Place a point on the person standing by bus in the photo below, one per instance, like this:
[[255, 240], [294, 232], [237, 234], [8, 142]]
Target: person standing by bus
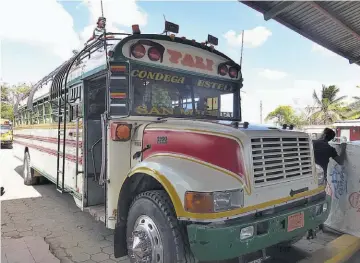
[[323, 151]]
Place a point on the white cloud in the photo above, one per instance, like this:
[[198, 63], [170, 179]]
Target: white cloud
[[54, 29], [252, 38], [319, 49], [25, 22], [272, 74], [117, 12]]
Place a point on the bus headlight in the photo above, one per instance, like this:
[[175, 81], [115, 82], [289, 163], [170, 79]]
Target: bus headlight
[[228, 200], [213, 202], [320, 175], [247, 232]]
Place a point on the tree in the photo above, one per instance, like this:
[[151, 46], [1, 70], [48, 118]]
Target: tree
[[284, 115], [9, 96], [354, 108], [329, 107]]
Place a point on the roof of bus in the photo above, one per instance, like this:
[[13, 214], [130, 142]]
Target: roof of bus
[[97, 63]]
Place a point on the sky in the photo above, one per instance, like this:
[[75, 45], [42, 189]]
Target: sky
[[280, 67]]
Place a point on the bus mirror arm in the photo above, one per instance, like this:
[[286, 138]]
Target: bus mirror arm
[[138, 154]]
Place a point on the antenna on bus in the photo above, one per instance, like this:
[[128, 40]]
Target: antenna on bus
[[165, 32], [102, 8], [242, 47]]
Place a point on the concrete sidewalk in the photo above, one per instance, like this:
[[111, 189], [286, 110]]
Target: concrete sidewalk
[[30, 249], [339, 250]]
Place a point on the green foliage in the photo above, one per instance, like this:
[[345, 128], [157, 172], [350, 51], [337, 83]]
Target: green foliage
[[284, 115], [9, 96], [329, 107]]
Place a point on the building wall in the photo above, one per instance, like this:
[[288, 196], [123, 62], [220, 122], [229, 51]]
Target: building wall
[[354, 132]]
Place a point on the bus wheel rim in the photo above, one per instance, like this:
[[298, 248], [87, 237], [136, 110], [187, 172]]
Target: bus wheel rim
[[146, 244]]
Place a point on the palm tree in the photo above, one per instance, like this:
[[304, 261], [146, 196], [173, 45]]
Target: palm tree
[[330, 107], [355, 107]]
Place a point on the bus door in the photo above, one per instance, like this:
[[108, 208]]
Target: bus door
[[94, 99]]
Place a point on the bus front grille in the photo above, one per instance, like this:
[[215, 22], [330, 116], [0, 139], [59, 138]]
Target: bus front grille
[[277, 160]]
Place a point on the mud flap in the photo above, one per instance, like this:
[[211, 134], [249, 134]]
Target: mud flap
[[120, 246]]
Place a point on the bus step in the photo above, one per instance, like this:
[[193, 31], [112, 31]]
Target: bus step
[[60, 190]]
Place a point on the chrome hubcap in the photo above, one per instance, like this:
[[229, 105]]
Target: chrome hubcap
[[145, 244]]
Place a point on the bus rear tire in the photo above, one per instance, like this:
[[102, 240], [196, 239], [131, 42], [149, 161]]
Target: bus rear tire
[[153, 230], [28, 172]]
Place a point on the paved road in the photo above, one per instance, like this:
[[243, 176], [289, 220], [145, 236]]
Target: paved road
[[73, 235], [355, 258]]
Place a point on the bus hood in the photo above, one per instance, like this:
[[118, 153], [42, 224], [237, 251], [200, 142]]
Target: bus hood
[[271, 163]]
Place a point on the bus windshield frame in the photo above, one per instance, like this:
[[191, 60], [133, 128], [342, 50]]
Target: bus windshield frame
[[173, 94]]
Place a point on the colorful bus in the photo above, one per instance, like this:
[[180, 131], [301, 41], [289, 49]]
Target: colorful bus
[[145, 132], [6, 133]]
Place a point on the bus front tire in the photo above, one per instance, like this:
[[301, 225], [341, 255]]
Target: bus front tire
[[28, 172], [153, 230]]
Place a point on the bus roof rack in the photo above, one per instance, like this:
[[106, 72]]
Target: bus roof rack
[[39, 84]]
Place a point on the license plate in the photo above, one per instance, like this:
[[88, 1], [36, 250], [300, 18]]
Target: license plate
[[295, 221]]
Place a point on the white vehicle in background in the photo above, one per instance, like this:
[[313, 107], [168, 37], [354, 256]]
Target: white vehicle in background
[[135, 132]]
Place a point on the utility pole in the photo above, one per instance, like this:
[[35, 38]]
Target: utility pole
[[261, 112]]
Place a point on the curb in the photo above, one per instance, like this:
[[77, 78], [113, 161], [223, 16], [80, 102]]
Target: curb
[[336, 251]]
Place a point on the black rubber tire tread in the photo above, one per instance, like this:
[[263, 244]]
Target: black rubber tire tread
[[161, 199], [29, 179]]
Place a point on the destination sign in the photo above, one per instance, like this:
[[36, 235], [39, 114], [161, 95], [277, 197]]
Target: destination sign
[[176, 55], [149, 73]]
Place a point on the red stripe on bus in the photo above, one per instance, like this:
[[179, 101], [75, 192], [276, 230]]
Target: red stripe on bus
[[69, 157], [213, 149], [47, 139]]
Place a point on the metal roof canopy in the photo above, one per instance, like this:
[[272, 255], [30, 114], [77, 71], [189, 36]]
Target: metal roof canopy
[[334, 25]]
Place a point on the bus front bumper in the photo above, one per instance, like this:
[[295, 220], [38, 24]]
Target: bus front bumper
[[6, 142], [220, 242]]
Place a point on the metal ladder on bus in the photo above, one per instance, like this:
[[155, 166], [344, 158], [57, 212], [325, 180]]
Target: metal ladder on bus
[[61, 148], [61, 80]]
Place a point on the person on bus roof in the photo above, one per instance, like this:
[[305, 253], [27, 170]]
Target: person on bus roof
[[323, 151], [99, 29]]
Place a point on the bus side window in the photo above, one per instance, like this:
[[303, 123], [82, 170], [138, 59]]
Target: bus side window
[[47, 112]]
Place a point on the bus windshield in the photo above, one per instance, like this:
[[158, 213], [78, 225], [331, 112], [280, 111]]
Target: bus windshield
[[4, 128], [159, 92]]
